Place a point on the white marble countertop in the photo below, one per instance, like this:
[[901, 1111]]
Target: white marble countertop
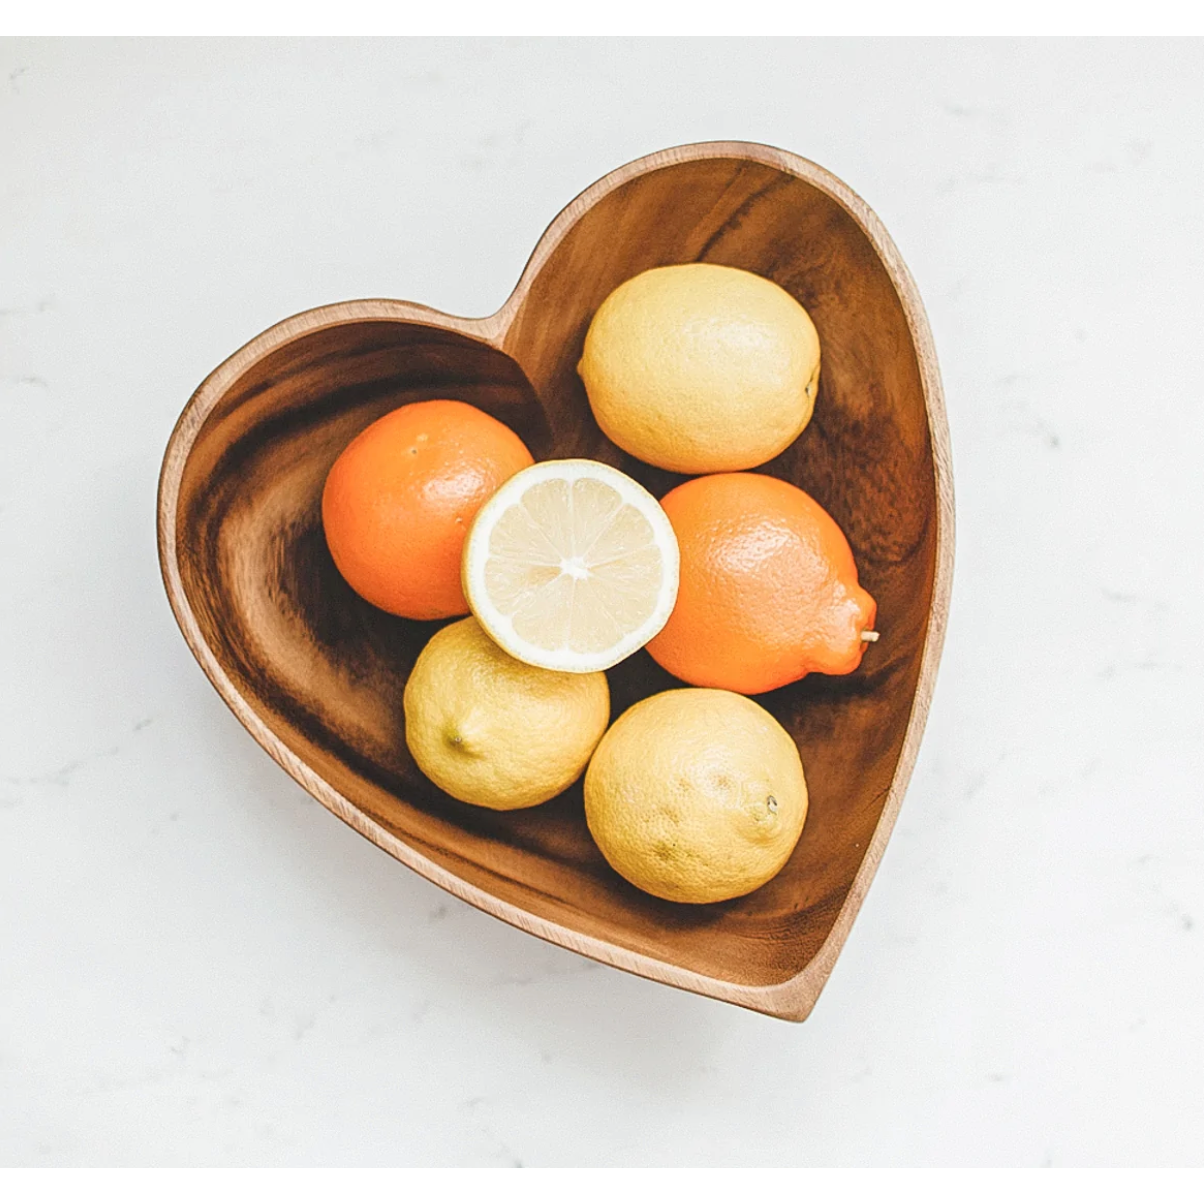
[[198, 964]]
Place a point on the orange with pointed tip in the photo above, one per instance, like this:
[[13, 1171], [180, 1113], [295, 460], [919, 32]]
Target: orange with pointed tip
[[768, 591], [400, 498]]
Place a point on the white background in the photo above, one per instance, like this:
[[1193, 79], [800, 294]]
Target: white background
[[198, 964]]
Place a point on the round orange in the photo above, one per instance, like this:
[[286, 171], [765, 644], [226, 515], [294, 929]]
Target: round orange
[[400, 498], [768, 589]]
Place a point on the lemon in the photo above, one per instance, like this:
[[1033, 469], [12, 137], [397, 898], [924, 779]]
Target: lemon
[[696, 795], [492, 731], [701, 368], [571, 566]]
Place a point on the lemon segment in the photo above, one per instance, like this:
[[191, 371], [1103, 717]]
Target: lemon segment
[[571, 566]]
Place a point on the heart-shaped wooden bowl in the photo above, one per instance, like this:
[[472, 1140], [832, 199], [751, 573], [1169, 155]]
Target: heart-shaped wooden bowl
[[316, 674]]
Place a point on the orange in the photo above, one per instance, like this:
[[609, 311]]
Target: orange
[[768, 588], [400, 498]]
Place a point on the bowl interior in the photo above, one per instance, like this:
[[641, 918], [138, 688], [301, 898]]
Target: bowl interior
[[325, 671]]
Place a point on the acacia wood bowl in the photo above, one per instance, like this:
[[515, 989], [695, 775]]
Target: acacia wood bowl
[[316, 674]]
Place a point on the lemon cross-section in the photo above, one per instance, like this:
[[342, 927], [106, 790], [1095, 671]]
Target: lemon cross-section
[[571, 565]]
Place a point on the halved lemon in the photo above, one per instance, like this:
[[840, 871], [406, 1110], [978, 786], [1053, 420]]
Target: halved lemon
[[571, 565]]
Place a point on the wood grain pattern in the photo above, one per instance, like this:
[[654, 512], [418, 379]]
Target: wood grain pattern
[[317, 675]]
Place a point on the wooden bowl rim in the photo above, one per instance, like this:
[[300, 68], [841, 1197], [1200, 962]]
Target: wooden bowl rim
[[794, 998]]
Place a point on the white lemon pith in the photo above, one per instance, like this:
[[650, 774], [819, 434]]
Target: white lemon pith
[[701, 368], [493, 731], [696, 795], [571, 566]]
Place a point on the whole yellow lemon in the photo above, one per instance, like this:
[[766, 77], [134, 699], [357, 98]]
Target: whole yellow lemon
[[696, 795], [493, 731], [700, 368]]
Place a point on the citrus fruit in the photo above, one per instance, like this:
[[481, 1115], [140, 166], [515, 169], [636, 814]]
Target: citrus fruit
[[493, 731], [701, 368], [399, 500], [696, 795], [768, 590], [571, 565]]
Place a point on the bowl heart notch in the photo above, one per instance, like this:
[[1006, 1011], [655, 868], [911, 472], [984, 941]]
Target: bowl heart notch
[[316, 674]]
